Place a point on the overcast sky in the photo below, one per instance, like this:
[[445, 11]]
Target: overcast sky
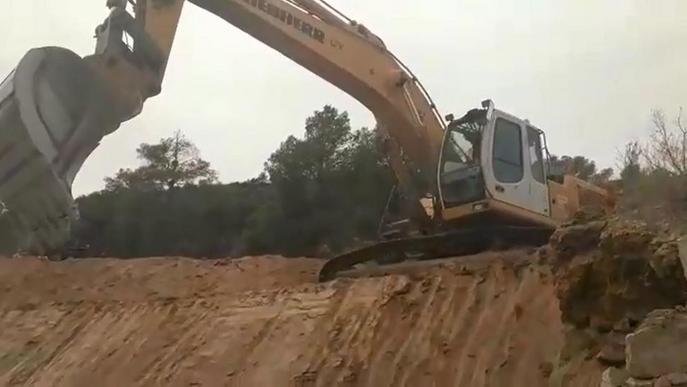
[[588, 72]]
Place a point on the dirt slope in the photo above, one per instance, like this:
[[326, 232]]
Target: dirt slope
[[265, 322]]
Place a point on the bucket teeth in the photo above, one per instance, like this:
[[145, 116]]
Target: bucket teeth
[[53, 113]]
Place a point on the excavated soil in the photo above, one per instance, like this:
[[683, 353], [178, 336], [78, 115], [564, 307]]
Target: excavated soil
[[491, 320]]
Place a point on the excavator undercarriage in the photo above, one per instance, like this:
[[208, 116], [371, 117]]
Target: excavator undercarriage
[[467, 241]]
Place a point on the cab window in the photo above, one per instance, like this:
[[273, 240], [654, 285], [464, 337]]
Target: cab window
[[453, 154], [507, 155], [536, 154]]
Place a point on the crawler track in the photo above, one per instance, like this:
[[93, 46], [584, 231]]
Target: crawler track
[[450, 244]]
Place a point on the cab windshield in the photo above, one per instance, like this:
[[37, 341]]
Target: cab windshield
[[463, 141], [456, 152]]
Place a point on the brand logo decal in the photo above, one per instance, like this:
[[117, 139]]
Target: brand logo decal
[[288, 18]]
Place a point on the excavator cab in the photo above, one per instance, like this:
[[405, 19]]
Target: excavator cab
[[505, 177], [493, 165]]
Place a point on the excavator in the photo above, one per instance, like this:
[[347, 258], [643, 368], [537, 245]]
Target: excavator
[[463, 184]]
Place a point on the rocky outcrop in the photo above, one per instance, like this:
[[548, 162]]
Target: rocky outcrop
[[616, 282], [656, 353], [576, 238], [676, 379], [611, 274], [659, 346]]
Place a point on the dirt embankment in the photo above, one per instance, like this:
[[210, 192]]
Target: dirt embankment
[[265, 322], [557, 316]]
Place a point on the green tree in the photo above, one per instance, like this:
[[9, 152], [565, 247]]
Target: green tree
[[321, 193], [331, 187], [197, 221], [174, 161], [327, 136]]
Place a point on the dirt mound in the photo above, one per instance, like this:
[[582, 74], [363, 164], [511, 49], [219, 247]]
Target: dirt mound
[[265, 322]]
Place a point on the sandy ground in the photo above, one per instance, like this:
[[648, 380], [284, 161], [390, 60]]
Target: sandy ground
[[264, 321]]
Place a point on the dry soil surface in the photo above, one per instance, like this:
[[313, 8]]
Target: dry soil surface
[[493, 320]]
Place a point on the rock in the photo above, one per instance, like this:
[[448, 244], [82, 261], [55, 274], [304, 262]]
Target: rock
[[571, 240], [623, 326], [668, 266], [676, 379], [578, 341], [671, 380], [666, 258], [629, 239], [575, 293], [601, 324], [613, 350], [659, 346], [614, 377], [632, 382], [663, 381], [633, 274]]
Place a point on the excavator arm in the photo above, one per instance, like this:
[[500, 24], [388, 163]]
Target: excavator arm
[[134, 44]]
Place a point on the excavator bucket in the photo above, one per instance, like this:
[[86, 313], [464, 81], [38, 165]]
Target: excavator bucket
[[53, 113]]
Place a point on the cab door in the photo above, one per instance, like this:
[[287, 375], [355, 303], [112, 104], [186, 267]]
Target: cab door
[[510, 164], [539, 190]]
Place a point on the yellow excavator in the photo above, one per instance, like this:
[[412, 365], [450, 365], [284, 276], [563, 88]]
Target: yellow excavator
[[462, 183]]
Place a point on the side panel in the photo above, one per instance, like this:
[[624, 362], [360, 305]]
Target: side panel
[[563, 201], [507, 165], [535, 171]]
